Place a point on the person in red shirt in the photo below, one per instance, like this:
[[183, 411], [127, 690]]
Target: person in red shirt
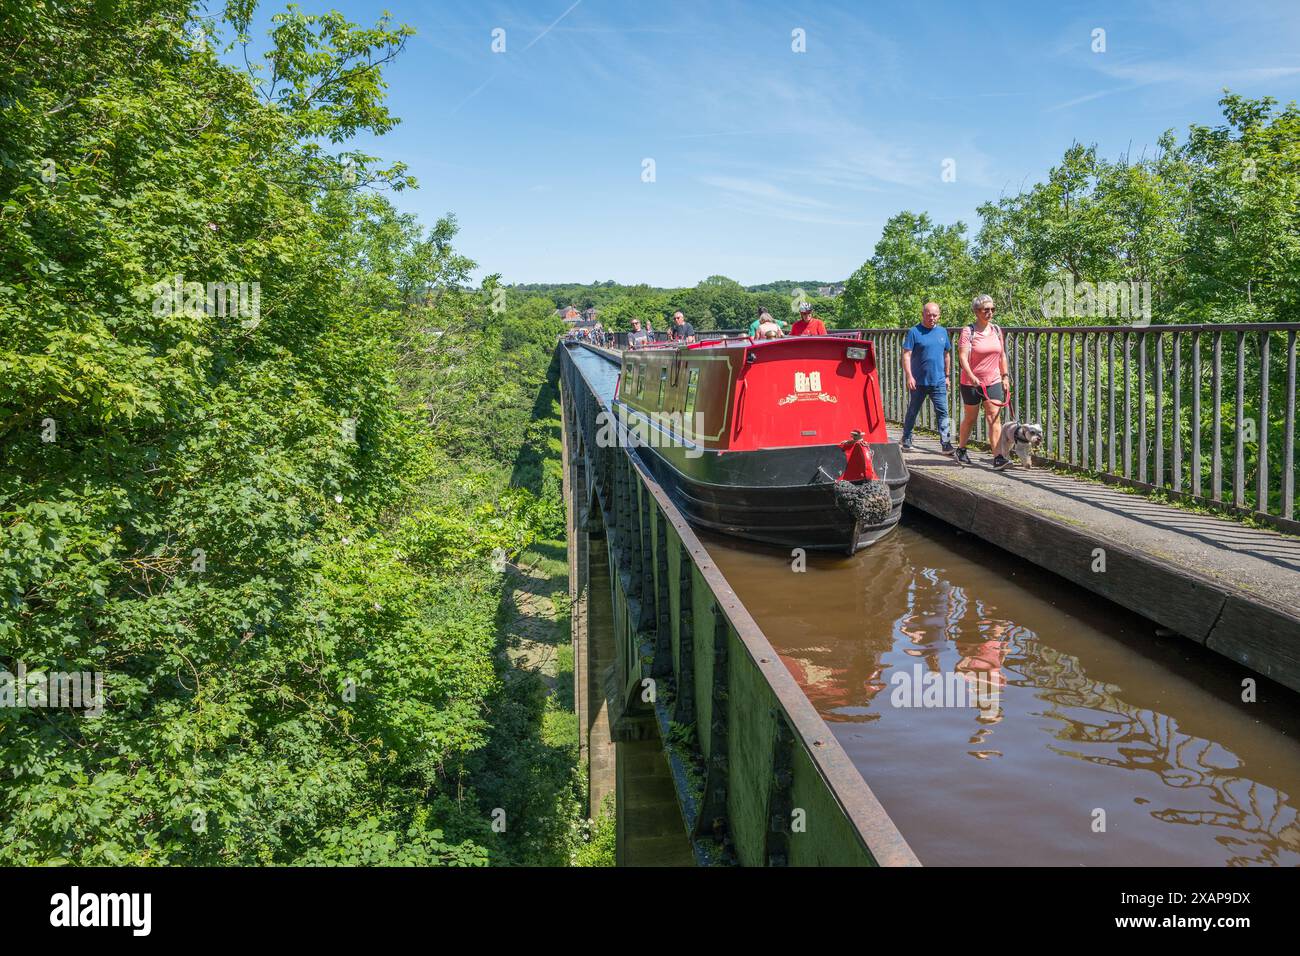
[[808, 323]]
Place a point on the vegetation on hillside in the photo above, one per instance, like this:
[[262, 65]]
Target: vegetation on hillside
[[273, 525]]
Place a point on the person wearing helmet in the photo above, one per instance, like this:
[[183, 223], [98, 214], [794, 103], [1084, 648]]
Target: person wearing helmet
[[808, 323]]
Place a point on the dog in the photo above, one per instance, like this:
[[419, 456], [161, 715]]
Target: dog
[[1021, 439]]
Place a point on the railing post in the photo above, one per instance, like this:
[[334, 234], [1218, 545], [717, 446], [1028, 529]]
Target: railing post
[[1096, 404], [1288, 443], [1061, 402], [1038, 376], [1085, 401], [1216, 451], [1177, 414], [1239, 463], [1261, 484], [1196, 414], [1110, 402], [1158, 479], [1128, 406], [1142, 407]]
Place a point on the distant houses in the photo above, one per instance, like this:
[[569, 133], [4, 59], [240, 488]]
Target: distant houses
[[572, 315], [830, 291]]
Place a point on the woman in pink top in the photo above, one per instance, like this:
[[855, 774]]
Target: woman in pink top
[[983, 377]]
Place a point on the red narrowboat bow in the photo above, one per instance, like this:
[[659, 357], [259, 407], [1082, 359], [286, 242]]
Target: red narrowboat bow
[[781, 441]]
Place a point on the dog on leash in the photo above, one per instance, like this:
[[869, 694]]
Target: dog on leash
[[1022, 439]]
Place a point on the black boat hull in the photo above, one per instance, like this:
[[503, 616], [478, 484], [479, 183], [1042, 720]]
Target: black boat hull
[[781, 496]]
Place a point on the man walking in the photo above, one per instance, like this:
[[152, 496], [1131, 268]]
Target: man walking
[[927, 366]]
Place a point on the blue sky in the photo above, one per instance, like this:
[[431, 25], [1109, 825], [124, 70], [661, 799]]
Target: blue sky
[[772, 164]]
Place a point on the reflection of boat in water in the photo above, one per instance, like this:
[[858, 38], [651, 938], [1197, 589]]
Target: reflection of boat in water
[[837, 668]]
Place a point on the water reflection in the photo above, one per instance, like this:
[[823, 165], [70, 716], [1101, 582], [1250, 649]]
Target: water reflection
[[1075, 718]]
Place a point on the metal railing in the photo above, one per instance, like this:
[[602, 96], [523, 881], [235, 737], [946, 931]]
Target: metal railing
[[1206, 413]]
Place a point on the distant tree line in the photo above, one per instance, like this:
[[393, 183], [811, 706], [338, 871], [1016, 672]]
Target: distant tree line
[[715, 303]]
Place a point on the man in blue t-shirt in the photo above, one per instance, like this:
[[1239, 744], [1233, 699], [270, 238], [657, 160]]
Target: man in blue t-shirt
[[927, 366]]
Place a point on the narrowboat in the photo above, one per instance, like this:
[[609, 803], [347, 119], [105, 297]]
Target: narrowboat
[[780, 441]]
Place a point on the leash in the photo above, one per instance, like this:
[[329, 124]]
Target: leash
[[985, 390]]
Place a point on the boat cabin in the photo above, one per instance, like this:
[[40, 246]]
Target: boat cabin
[[744, 395]]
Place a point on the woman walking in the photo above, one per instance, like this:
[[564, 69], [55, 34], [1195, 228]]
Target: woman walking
[[984, 380]]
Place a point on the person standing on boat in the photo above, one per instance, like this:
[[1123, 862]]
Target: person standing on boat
[[765, 316], [766, 328], [681, 330], [637, 339], [927, 365], [808, 323], [984, 378]]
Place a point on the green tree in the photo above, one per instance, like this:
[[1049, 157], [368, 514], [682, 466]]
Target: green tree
[[1243, 243], [251, 522]]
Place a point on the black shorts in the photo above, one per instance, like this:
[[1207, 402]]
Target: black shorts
[[974, 395]]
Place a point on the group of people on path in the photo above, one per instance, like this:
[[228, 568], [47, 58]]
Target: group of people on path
[[594, 334], [984, 383]]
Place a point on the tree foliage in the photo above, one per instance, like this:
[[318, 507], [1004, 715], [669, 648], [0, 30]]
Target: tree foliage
[[270, 531], [1212, 224]]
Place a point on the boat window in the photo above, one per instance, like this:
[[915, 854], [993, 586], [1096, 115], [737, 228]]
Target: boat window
[[663, 381], [692, 383], [640, 381]]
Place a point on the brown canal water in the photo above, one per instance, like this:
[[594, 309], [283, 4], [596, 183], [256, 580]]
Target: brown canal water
[[1045, 708]]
